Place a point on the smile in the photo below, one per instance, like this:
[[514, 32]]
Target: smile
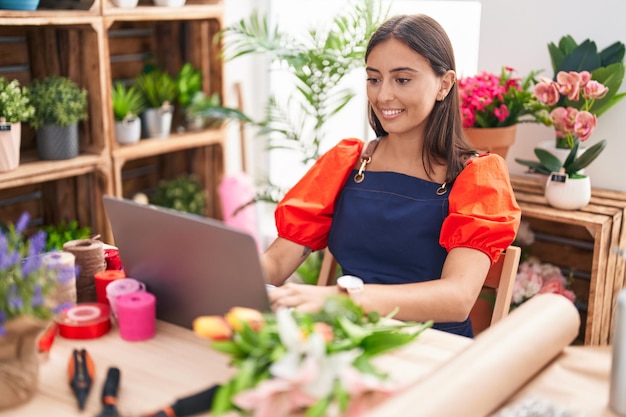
[[390, 114]]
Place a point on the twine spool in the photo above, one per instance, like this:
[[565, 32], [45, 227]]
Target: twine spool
[[89, 254], [64, 293]]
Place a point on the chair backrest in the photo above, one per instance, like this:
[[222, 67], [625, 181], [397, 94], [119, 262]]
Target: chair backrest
[[494, 301]]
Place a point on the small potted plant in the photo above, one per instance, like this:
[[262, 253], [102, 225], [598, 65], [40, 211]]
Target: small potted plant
[[188, 84], [566, 187], [15, 108], [59, 105], [128, 103], [184, 193], [208, 111], [159, 91]]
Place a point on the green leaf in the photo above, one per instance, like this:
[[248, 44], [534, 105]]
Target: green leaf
[[319, 408], [229, 347], [549, 161], [222, 400], [587, 157]]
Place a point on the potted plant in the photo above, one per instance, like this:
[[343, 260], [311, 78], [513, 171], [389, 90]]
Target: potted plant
[[159, 91], [25, 309], [128, 103], [184, 194], [59, 105], [188, 84], [566, 187], [492, 106], [15, 108], [605, 67], [208, 111]]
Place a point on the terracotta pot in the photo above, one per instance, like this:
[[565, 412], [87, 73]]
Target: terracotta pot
[[492, 139], [19, 364], [10, 146]]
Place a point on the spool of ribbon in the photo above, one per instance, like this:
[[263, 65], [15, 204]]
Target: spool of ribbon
[[84, 321], [89, 255], [136, 316], [121, 287], [104, 278], [112, 257], [63, 295]]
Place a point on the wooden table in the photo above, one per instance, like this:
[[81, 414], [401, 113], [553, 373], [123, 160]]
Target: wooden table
[[176, 363]]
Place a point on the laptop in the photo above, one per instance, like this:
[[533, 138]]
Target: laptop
[[194, 265]]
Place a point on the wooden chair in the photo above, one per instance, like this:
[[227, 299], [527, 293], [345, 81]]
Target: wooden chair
[[494, 301]]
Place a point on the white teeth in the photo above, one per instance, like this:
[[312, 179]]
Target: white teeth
[[391, 112]]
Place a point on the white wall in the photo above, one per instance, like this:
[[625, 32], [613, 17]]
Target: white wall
[[513, 33]]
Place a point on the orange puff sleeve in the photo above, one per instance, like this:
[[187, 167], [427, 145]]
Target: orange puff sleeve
[[483, 212], [304, 215]]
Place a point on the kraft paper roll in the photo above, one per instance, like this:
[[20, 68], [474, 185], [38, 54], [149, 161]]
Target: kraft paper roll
[[89, 255], [104, 278], [494, 366], [63, 294], [136, 316]]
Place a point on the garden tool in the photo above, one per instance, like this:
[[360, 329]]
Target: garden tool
[[194, 404], [81, 372], [109, 393]]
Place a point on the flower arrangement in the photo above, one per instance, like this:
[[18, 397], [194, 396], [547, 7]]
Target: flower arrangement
[[14, 102], [490, 100], [293, 361], [534, 277], [572, 125], [25, 280]]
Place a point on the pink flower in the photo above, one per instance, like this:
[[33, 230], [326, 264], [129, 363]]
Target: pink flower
[[569, 84], [547, 91], [584, 124], [595, 90], [556, 286], [564, 120]]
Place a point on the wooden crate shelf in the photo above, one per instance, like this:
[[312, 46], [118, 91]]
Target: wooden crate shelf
[[583, 241]]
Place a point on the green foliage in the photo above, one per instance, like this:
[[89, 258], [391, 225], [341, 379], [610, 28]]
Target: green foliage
[[128, 102], [211, 110], [184, 194], [57, 101], [14, 102], [158, 88], [64, 232], [549, 163], [188, 83], [318, 63], [605, 66]]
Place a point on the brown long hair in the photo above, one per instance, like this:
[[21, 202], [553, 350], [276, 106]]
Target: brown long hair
[[444, 140]]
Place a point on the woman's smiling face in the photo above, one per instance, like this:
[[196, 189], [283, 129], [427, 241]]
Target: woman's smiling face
[[401, 87]]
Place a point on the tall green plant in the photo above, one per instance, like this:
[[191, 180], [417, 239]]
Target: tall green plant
[[318, 62], [157, 87]]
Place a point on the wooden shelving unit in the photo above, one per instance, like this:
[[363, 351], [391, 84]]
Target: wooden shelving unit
[[95, 43], [582, 242]]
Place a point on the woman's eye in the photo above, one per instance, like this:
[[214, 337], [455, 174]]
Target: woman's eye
[[402, 81], [372, 80]]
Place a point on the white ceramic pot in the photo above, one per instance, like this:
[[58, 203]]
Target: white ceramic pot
[[170, 3], [125, 4], [157, 123], [128, 131], [573, 194]]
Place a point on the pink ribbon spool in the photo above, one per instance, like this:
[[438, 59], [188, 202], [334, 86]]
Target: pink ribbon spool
[[136, 316], [120, 287]]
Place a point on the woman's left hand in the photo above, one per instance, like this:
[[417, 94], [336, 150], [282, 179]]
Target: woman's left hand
[[306, 298]]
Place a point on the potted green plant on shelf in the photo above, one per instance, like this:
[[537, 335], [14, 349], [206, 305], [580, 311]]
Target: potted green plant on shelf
[[59, 105], [15, 108], [184, 193], [188, 84], [566, 187], [159, 91], [128, 103], [209, 112]]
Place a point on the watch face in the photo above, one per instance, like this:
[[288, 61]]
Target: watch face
[[349, 282]]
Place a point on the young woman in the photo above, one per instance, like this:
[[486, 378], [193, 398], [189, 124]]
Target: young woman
[[415, 214]]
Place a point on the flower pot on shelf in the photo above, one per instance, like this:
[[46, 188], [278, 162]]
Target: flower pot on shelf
[[128, 131], [125, 4], [57, 142], [571, 194], [10, 139], [19, 4], [19, 364], [170, 3], [157, 123], [496, 140]]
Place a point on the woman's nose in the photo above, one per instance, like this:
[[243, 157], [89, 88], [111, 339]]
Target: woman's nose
[[385, 92]]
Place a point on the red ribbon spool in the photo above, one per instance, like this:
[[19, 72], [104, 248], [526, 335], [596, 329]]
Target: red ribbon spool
[[84, 321]]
